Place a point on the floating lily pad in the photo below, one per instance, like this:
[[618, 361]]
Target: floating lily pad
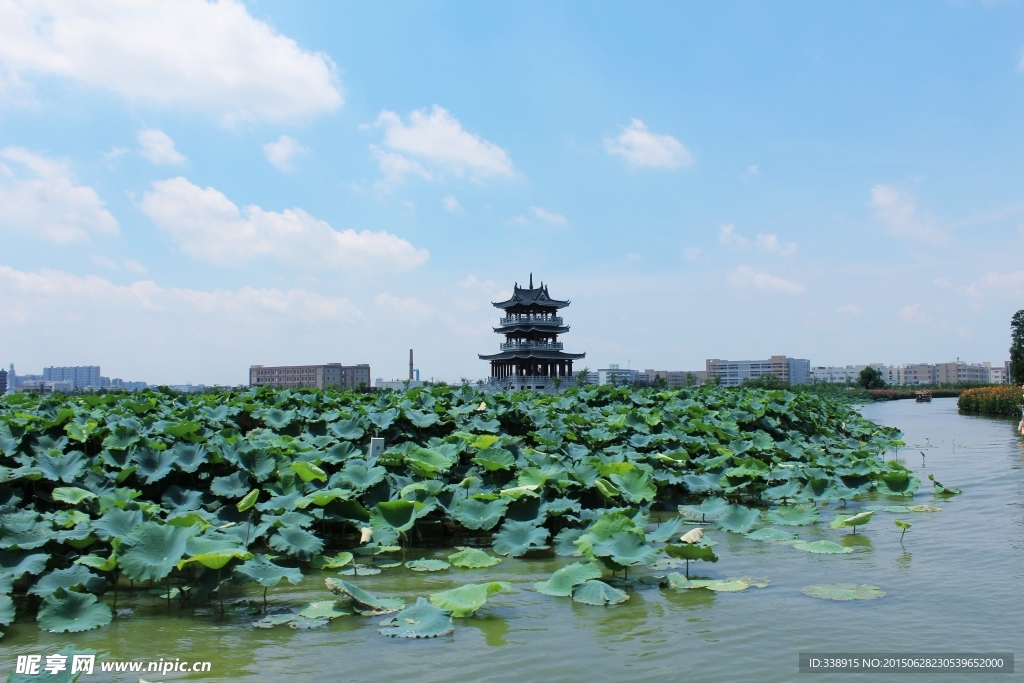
[[599, 593], [923, 508], [465, 600], [360, 570], [366, 603], [793, 515], [272, 620], [769, 534], [471, 558], [843, 591], [301, 623], [730, 585], [324, 609], [822, 547], [72, 612], [566, 578], [887, 508], [427, 565], [421, 620]]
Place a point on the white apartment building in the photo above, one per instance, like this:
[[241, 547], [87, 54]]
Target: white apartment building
[[733, 372], [841, 374]]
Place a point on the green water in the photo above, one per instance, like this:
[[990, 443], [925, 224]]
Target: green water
[[956, 584]]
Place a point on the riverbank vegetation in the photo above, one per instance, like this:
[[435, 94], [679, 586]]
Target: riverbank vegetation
[[999, 400], [187, 496]]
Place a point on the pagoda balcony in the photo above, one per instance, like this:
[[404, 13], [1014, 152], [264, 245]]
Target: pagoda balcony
[[531, 320], [515, 346]]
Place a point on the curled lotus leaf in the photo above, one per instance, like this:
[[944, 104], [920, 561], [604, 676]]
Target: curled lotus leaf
[[17, 563], [939, 490], [76, 575], [427, 565], [347, 429], [822, 547], [635, 486], [152, 550], [467, 599], [594, 592], [421, 620], [307, 471], [626, 549], [324, 609], [103, 564], [72, 612], [427, 462], [691, 551], [568, 577], [793, 515], [72, 495], [477, 514], [859, 519], [383, 419], [365, 603], [265, 572], [322, 498], [709, 508], [901, 524], [336, 562], [843, 591], [738, 519], [769, 534], [565, 542], [516, 538], [665, 531], [248, 500], [277, 418], [293, 540], [399, 515], [472, 558]]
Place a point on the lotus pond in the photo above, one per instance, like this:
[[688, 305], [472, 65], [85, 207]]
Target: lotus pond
[[199, 509]]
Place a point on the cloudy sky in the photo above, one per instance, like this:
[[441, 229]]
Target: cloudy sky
[[189, 188]]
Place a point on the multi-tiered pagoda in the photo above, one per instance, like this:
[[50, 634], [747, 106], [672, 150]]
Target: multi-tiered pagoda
[[531, 356]]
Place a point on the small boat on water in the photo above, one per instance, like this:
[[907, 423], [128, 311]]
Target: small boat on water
[[923, 396]]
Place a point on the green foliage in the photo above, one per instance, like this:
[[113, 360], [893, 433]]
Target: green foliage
[[1017, 348], [598, 593], [468, 598], [843, 591], [563, 581], [422, 620], [72, 612], [870, 378], [999, 400]]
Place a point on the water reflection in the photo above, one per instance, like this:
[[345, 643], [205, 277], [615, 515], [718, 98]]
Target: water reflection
[[856, 541], [493, 628], [691, 599], [903, 561]]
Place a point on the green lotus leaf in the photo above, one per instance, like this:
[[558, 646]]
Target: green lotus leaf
[[122, 438], [364, 602], [322, 498], [278, 419], [120, 497], [598, 593], [483, 442], [59, 467], [822, 547], [793, 515], [248, 500], [665, 530], [266, 573], [216, 559], [843, 591], [901, 524], [769, 534], [189, 457], [6, 610], [635, 486], [80, 432], [399, 515], [337, 562], [467, 599], [568, 577], [857, 520], [103, 564], [258, 463], [747, 467], [887, 508], [477, 514], [76, 575], [152, 550], [360, 570], [235, 485], [516, 538], [16, 563], [939, 490], [179, 500], [517, 492], [6, 583], [272, 620], [482, 425], [702, 483], [426, 462], [72, 495], [923, 508], [471, 558], [625, 549], [420, 419], [532, 476], [421, 620], [308, 472], [183, 429], [708, 509], [296, 541], [606, 488], [790, 489], [738, 519], [324, 609], [898, 482], [691, 551], [72, 612], [383, 419], [680, 582], [427, 565], [301, 623], [565, 542], [26, 535], [347, 429], [152, 465], [359, 475]]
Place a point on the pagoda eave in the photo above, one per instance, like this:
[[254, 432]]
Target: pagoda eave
[[530, 327], [538, 354]]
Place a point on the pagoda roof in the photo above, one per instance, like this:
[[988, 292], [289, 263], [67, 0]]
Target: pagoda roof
[[531, 327], [542, 354], [538, 297]]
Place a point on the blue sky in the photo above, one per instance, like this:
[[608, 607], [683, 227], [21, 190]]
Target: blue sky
[[189, 188]]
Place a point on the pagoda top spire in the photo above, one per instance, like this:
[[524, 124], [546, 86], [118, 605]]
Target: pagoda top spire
[[530, 297]]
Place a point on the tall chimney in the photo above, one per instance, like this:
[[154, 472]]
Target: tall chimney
[[410, 364]]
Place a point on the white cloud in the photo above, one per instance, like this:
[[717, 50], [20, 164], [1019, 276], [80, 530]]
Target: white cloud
[[692, 253], [281, 152], [450, 203], [748, 277], [438, 138], [914, 314], [770, 243], [395, 167], [897, 210], [850, 309], [208, 226], [1007, 284], [133, 265], [407, 306], [644, 149], [521, 219], [158, 147], [549, 216], [210, 57], [727, 235], [38, 196], [104, 262]]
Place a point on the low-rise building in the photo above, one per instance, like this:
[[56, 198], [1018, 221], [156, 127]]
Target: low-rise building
[[329, 375], [958, 371], [677, 379], [80, 376], [731, 373], [998, 375], [617, 376]]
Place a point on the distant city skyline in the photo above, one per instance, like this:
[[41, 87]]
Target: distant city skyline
[[323, 180]]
